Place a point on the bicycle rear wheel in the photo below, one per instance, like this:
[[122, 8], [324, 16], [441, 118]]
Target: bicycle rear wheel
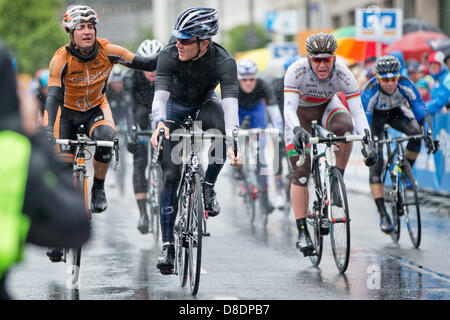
[[390, 199], [340, 220], [195, 234], [313, 223], [409, 204]]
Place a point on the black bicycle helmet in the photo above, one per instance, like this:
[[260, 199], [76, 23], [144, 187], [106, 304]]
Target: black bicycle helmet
[[321, 45], [196, 22], [387, 66]]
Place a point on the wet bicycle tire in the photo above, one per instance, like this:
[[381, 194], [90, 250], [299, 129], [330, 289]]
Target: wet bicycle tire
[[409, 203], [195, 231], [390, 199], [153, 199], [340, 222], [181, 252], [313, 222]]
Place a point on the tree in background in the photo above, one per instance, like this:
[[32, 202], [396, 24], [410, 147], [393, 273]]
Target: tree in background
[[246, 37], [32, 30]]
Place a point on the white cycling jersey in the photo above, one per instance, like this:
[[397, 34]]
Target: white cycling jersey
[[303, 89]]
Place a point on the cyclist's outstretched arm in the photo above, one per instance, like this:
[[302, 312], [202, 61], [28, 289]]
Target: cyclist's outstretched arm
[[117, 54], [57, 212]]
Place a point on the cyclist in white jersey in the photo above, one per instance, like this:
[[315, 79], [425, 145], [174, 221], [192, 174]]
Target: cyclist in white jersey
[[310, 87]]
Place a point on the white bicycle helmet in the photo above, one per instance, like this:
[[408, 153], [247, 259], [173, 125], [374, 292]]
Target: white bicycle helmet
[[117, 73], [247, 69], [77, 14], [149, 47]]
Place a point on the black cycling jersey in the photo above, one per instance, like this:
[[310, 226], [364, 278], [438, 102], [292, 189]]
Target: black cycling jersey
[[192, 82], [262, 90], [142, 90], [139, 94], [116, 100], [278, 90]]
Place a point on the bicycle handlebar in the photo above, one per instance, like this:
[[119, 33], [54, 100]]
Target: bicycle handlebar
[[401, 139], [330, 139], [99, 143]]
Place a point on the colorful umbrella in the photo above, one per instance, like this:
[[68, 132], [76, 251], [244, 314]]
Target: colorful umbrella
[[413, 25], [351, 48], [260, 56], [415, 44]]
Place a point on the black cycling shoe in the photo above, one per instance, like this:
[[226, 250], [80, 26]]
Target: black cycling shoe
[[304, 243], [386, 224], [98, 200], [143, 224], [55, 254], [211, 204], [166, 259]]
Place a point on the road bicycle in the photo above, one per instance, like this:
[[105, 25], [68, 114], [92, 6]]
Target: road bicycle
[[154, 182], [328, 212], [80, 179], [400, 186], [190, 226], [256, 199]]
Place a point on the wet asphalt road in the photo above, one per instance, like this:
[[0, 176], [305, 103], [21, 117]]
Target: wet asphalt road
[[244, 262]]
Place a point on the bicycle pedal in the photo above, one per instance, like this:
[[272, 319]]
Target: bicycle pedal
[[206, 234]]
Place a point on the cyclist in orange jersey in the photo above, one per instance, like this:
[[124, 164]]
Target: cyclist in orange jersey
[[77, 83]]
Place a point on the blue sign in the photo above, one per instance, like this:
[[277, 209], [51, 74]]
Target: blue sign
[[284, 50], [379, 24]]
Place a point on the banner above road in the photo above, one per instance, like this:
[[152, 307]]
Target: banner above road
[[378, 24]]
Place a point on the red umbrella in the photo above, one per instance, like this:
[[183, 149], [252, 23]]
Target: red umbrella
[[413, 45]]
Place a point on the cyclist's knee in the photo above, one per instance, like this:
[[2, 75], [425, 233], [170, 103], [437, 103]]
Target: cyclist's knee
[[342, 124], [103, 154], [375, 172], [300, 175]]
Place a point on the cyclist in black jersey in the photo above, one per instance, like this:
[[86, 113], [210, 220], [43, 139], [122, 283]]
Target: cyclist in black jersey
[[115, 96], [38, 203], [187, 73], [256, 101], [139, 88]]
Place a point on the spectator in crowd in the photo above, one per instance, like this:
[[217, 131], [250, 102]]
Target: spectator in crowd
[[38, 203], [415, 70], [423, 86], [440, 91]]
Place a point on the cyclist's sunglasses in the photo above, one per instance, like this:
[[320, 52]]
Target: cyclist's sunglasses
[[319, 60], [186, 42], [386, 80]]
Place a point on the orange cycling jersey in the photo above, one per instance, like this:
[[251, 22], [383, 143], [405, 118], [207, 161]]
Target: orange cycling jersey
[[84, 84]]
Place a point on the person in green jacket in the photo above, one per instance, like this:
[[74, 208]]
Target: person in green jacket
[[38, 203]]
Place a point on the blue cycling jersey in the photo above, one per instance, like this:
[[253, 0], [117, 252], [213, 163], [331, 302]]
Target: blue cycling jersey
[[373, 98]]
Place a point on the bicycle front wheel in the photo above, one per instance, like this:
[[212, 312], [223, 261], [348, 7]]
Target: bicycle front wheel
[[340, 220], [391, 197], [313, 223], [195, 234], [409, 204], [180, 238], [154, 193]]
